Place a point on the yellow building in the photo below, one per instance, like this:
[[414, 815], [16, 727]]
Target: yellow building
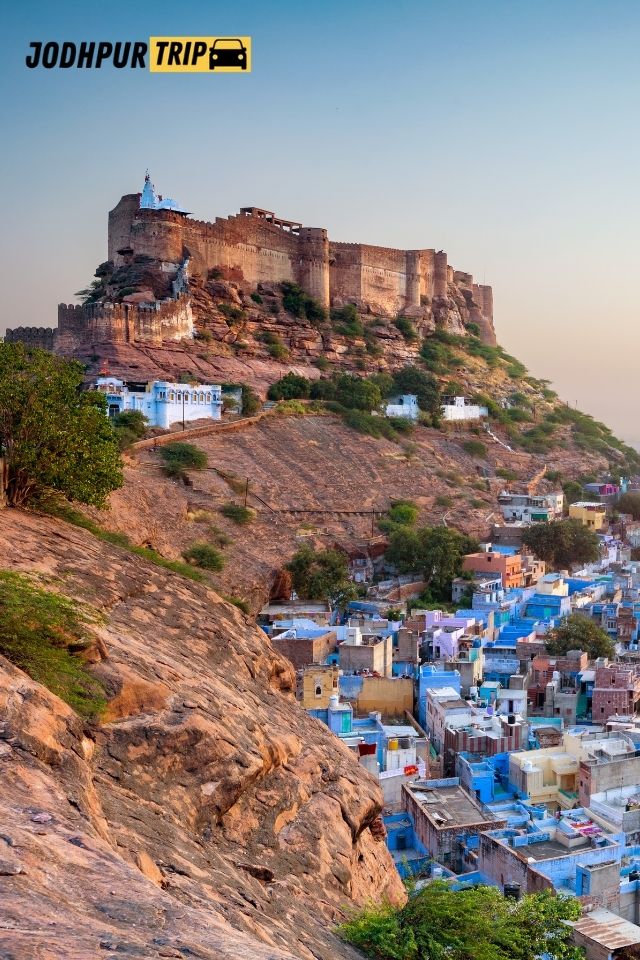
[[592, 515], [319, 682]]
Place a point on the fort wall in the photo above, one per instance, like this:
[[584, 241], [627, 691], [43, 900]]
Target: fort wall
[[263, 249], [123, 323], [259, 248]]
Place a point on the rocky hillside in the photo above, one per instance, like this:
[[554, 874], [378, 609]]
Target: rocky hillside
[[205, 815]]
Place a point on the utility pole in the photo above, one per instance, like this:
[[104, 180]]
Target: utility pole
[[183, 410]]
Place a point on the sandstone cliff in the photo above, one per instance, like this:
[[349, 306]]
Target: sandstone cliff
[[206, 816]]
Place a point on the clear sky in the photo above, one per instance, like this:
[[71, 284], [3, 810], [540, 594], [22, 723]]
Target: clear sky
[[503, 131]]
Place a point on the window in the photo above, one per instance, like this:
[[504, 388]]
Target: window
[[318, 690], [172, 396], [179, 396], [202, 398], [208, 398]]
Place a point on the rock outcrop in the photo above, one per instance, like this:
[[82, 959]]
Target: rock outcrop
[[206, 815]]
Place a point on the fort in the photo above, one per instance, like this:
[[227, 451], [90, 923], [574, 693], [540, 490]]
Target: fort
[[255, 246]]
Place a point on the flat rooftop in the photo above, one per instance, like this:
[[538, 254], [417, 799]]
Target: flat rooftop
[[449, 807]]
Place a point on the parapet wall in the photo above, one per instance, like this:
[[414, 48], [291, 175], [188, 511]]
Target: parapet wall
[[123, 323], [383, 279], [44, 338]]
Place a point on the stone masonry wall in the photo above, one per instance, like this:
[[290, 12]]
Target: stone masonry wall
[[382, 279]]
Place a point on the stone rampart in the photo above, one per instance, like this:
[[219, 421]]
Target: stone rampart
[[262, 249]]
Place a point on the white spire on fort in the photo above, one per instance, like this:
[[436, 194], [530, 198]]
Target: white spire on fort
[[150, 200]]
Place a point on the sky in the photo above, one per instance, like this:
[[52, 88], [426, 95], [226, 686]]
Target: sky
[[502, 131]]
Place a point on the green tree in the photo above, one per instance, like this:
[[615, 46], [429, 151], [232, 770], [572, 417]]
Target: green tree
[[250, 401], [562, 543], [55, 437], [476, 923], [321, 575], [129, 426], [579, 632], [290, 387], [435, 552], [630, 503], [572, 491], [424, 385], [179, 457]]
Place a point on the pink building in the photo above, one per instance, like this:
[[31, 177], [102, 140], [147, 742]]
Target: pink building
[[616, 692]]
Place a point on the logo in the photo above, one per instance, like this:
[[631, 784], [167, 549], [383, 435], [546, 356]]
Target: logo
[[164, 55], [200, 54]]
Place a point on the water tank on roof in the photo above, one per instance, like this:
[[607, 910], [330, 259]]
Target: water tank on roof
[[334, 701], [404, 743], [512, 890], [436, 872], [393, 744], [511, 718], [556, 675]]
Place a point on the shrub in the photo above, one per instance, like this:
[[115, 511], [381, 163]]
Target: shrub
[[256, 297], [179, 457], [42, 633], [129, 426], [506, 474], [238, 513], [290, 387], [250, 401], [239, 603], [297, 302], [277, 351], [205, 335], [215, 273], [205, 556], [345, 321], [406, 328], [321, 363], [233, 313], [403, 513], [475, 448]]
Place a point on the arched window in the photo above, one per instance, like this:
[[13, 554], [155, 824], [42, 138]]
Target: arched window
[[318, 690], [201, 398], [179, 396], [208, 398], [172, 396]]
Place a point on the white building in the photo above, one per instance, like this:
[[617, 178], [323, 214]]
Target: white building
[[531, 509], [459, 408], [163, 403], [403, 406]]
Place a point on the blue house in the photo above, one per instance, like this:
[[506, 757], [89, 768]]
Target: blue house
[[163, 403]]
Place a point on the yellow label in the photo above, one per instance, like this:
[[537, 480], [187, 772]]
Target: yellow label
[[200, 54]]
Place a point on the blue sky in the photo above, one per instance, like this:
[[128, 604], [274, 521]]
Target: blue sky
[[503, 132]]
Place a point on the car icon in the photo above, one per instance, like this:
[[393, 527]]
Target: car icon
[[227, 52]]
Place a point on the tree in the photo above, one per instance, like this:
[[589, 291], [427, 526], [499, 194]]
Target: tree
[[435, 552], [562, 543], [321, 575], [290, 387], [476, 923], [55, 437], [349, 390], [129, 426], [579, 632], [630, 503], [423, 385], [250, 401]]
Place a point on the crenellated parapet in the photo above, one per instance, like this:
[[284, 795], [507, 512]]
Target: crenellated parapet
[[258, 247], [123, 323], [42, 338]]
